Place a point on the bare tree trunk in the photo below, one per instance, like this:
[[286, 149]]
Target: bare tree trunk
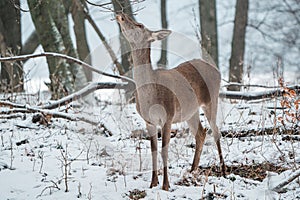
[[60, 17], [30, 44], [81, 39], [164, 43], [125, 7], [51, 40], [236, 61], [209, 33], [11, 76]]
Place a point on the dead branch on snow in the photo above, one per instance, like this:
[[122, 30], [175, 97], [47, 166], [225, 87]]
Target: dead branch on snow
[[248, 96], [286, 181], [83, 92]]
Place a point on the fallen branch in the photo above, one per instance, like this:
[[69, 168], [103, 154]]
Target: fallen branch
[[23, 108], [12, 116], [248, 85], [14, 110], [141, 133], [83, 92], [65, 100], [286, 181], [11, 104], [256, 95], [72, 117], [31, 109], [261, 131]]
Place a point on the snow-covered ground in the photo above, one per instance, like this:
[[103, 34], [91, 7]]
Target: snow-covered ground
[[33, 159]]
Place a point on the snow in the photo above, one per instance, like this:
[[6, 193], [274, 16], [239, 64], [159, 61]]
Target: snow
[[110, 167], [101, 167]]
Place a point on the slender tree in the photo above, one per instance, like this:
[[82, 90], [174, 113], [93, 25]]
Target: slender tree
[[164, 43], [209, 33], [30, 44], [60, 17], [236, 62], [80, 33], [11, 77]]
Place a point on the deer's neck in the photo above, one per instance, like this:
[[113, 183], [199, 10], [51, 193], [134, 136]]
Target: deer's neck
[[143, 70]]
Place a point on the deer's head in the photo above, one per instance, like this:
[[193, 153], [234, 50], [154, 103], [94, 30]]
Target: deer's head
[[137, 34]]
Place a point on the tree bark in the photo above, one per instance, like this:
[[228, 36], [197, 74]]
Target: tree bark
[[51, 40], [236, 62], [81, 39], [11, 76], [164, 43], [209, 33], [60, 17], [30, 44]]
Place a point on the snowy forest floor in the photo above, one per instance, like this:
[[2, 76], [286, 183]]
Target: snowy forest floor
[[70, 160]]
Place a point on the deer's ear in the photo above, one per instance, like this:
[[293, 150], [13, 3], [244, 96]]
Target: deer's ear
[[159, 35]]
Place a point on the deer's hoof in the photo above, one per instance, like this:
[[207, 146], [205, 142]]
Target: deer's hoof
[[194, 168], [224, 171], [166, 186], [153, 184]]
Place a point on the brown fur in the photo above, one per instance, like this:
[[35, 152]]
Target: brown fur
[[168, 96]]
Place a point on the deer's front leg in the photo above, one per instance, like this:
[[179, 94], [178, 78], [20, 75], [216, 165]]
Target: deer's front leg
[[153, 139], [165, 145]]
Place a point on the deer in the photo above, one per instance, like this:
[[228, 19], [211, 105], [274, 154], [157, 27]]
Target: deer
[[167, 96]]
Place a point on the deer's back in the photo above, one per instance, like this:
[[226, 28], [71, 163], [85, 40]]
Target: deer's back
[[178, 92], [203, 78]]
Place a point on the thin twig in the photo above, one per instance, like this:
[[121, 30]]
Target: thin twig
[[98, 5], [55, 186]]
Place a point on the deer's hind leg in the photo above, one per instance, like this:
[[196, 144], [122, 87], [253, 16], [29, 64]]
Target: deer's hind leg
[[210, 112], [153, 140], [166, 131], [199, 133]]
